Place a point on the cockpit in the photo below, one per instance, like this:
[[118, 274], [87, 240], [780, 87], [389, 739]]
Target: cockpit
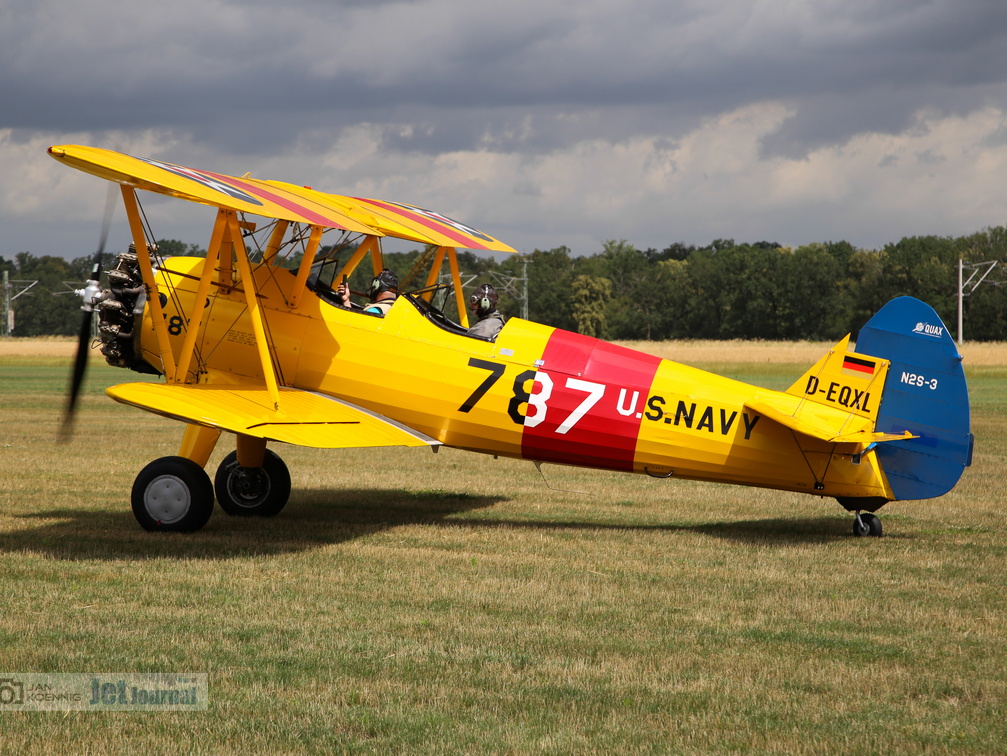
[[431, 301]]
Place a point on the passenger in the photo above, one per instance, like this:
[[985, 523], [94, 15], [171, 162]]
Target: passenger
[[483, 304], [384, 290]]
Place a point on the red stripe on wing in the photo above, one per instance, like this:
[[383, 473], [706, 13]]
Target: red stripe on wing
[[311, 216], [466, 239]]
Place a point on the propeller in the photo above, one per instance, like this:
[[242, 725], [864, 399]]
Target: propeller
[[91, 295]]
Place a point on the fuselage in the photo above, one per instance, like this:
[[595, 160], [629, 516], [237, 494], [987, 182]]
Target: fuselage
[[536, 392]]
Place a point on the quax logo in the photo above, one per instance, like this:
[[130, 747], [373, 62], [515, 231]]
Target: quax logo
[[929, 330]]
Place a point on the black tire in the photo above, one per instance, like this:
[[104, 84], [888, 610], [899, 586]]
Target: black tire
[[867, 525], [172, 494], [252, 491], [873, 524]]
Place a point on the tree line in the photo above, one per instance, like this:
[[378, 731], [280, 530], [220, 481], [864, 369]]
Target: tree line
[[724, 290]]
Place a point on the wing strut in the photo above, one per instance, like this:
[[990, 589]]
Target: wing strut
[[275, 242], [369, 244], [254, 311], [147, 272], [306, 262], [456, 280], [195, 320], [435, 272]]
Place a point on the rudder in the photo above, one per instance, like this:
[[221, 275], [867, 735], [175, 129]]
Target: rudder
[[925, 393]]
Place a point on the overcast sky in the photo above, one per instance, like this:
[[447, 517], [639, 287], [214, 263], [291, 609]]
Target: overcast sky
[[542, 122]]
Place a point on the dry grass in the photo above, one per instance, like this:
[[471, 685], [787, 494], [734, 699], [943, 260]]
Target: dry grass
[[794, 352], [691, 351], [407, 602], [55, 346]]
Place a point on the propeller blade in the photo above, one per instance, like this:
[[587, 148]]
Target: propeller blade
[[79, 362], [89, 294]]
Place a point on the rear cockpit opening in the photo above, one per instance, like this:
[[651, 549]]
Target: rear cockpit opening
[[431, 301]]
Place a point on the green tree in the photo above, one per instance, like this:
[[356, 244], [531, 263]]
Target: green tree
[[924, 267], [176, 248], [590, 297], [550, 282], [734, 291], [633, 310], [810, 295]]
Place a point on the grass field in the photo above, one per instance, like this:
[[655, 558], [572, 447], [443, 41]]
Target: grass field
[[407, 602]]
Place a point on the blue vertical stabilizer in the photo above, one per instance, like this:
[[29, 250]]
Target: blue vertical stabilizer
[[925, 393]]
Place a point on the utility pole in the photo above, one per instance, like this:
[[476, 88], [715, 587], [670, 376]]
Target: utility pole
[[524, 289], [967, 287], [959, 301], [8, 300]]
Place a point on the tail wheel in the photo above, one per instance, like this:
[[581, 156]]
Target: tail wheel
[[866, 525], [172, 494], [252, 491]]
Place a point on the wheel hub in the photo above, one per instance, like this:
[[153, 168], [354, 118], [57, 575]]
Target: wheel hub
[[860, 527], [248, 486], [167, 499]]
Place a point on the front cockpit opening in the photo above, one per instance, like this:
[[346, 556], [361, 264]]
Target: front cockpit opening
[[320, 280]]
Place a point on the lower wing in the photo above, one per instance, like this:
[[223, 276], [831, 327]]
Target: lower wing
[[306, 418]]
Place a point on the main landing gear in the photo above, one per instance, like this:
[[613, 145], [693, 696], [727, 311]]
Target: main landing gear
[[252, 491], [174, 494]]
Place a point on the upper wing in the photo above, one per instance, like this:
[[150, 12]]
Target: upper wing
[[402, 221], [277, 199], [307, 419], [244, 195], [445, 231]]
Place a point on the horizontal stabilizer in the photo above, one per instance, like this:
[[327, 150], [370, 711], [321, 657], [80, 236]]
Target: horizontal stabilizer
[[305, 418], [821, 422], [866, 437]]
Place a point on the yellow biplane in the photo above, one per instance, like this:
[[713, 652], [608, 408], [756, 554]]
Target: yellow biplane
[[267, 353]]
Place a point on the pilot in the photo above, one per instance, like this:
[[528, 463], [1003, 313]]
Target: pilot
[[384, 290], [483, 304]]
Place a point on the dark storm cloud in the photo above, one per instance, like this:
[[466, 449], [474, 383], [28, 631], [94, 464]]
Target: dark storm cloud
[[373, 94], [465, 76]]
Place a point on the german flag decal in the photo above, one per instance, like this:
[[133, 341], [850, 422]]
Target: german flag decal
[[858, 366]]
